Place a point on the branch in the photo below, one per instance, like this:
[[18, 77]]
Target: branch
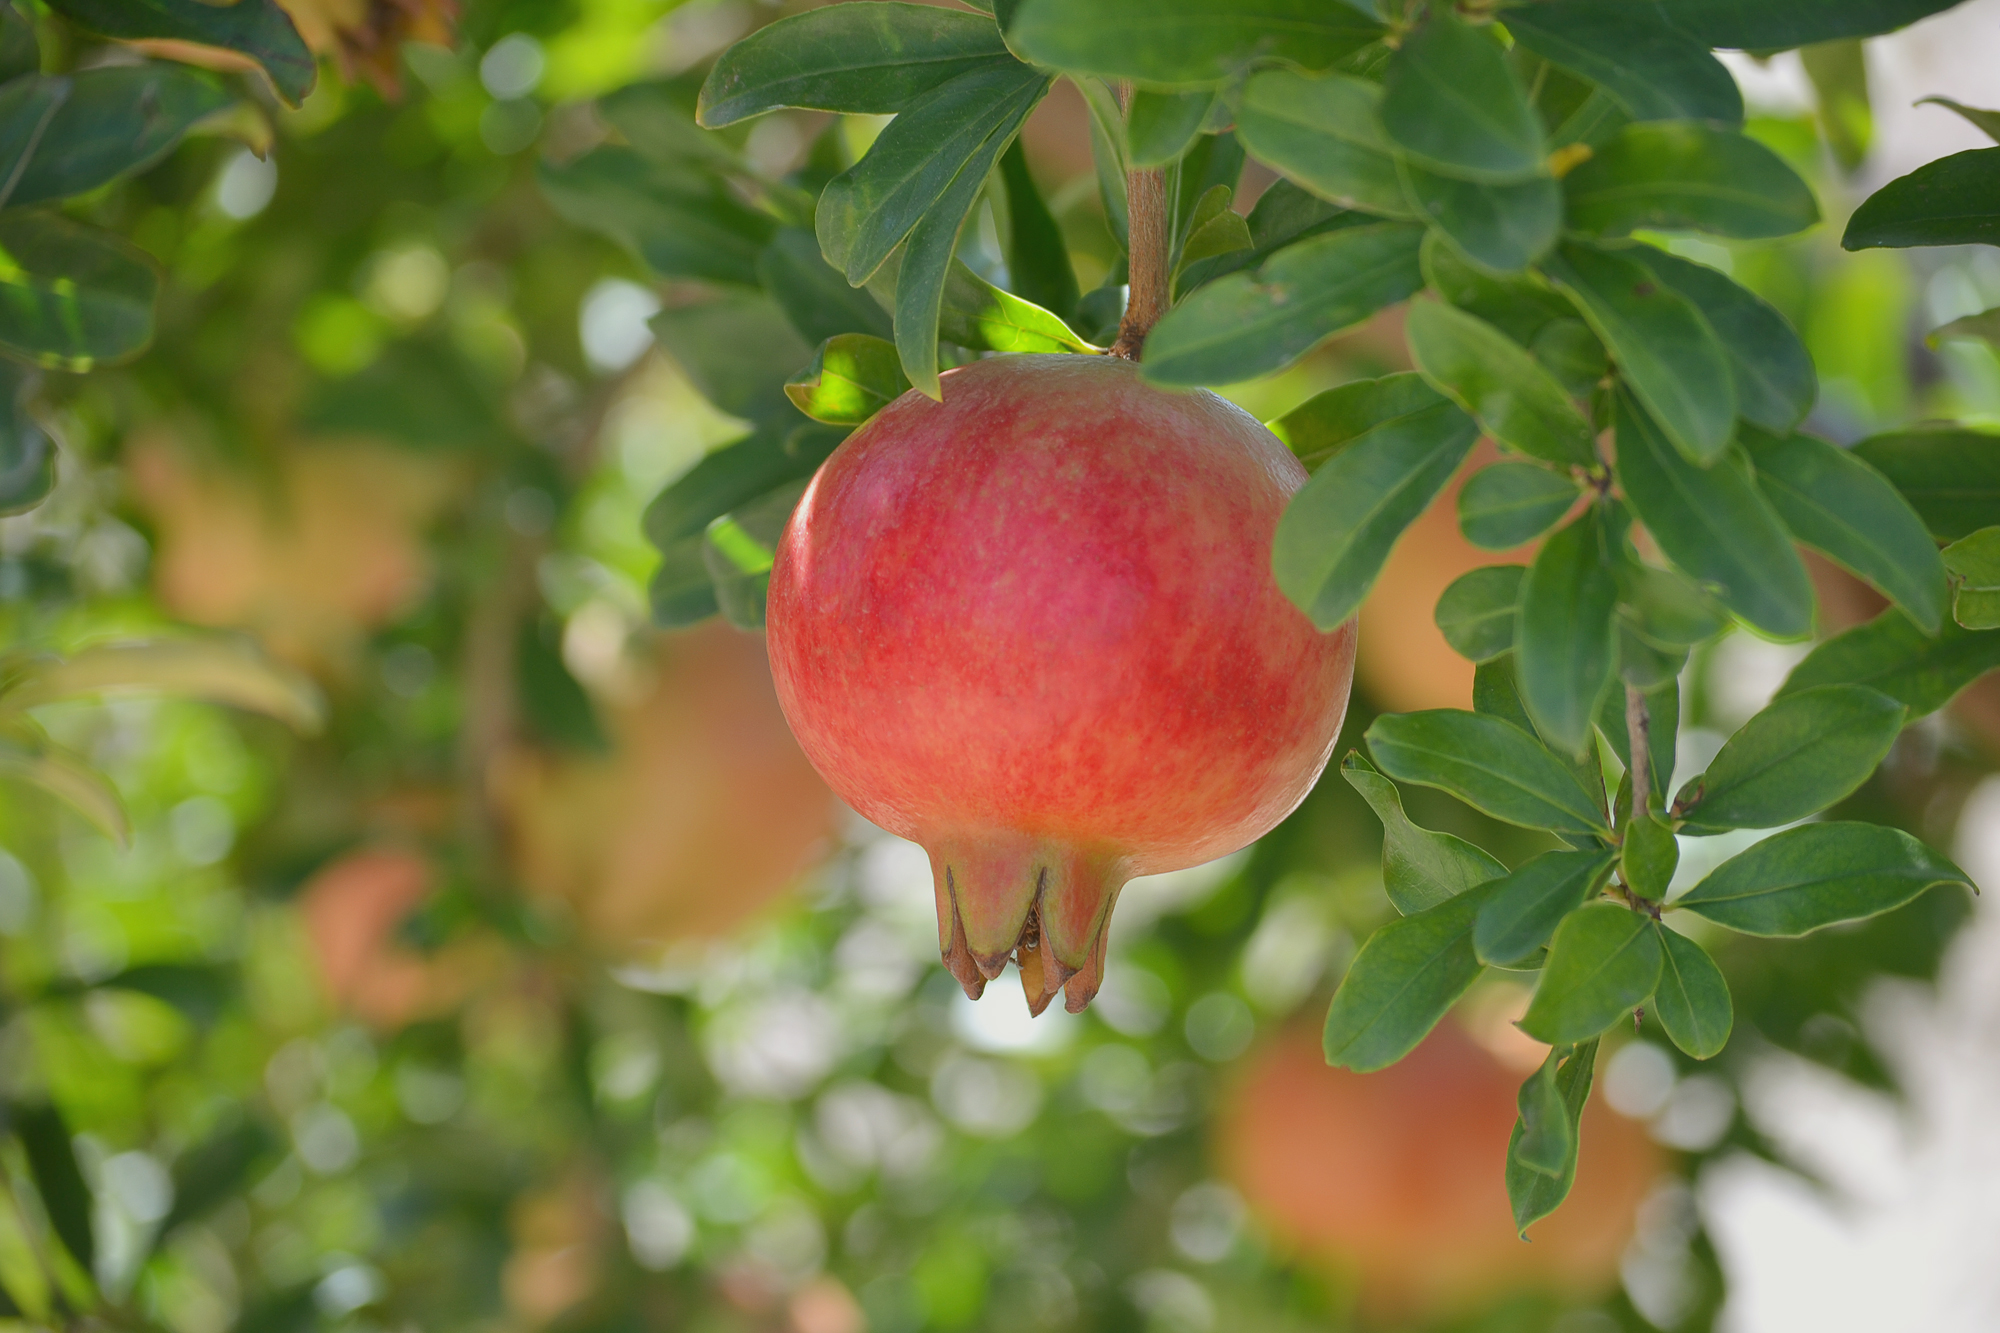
[[1638, 739], [1149, 246]]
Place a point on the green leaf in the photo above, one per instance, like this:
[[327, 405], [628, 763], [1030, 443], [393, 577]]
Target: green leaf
[[1507, 504], [1491, 376], [1797, 881], [1544, 1141], [27, 459], [59, 1180], [1408, 974], [115, 120], [1984, 327], [258, 29], [737, 351], [1950, 475], [1778, 25], [876, 59], [680, 219], [1038, 262], [1835, 503], [216, 1170], [1520, 307], [1666, 352], [1655, 72], [1323, 134], [1248, 324], [1663, 706], [1489, 764], [27, 106], [1284, 213], [1603, 962], [1692, 1002], [1533, 1193], [1974, 563], [851, 378], [1572, 354], [1496, 693], [733, 476], [1683, 175], [1565, 645], [681, 592], [1649, 856], [1715, 525], [28, 755], [1500, 227], [1952, 201], [1803, 753], [1420, 868], [215, 670], [1768, 364], [1452, 102], [1186, 41], [72, 297], [1476, 613], [1986, 121], [1665, 606], [1922, 672], [1220, 233], [1159, 127], [739, 549], [813, 293], [1523, 910], [1839, 75], [974, 313], [1337, 531], [1329, 422], [20, 52]]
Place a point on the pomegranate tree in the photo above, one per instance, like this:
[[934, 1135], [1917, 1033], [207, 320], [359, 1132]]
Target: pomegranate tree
[[1033, 627]]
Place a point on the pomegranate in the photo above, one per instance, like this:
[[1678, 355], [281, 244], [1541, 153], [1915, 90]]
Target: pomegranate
[[1034, 628]]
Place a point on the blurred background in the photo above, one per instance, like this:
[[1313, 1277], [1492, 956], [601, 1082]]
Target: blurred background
[[546, 986]]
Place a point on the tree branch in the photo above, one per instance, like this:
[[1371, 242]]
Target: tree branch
[[1638, 738]]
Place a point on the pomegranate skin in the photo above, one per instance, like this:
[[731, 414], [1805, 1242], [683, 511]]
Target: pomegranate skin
[[1034, 628]]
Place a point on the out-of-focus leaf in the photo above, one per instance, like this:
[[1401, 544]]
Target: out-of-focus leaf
[[115, 120], [20, 52], [734, 475], [739, 549], [1323, 134], [1692, 1002], [1476, 613], [1665, 606], [58, 1179], [259, 29], [1337, 532], [681, 592], [1492, 377], [1532, 1192], [1489, 764], [1408, 974], [1950, 475], [1603, 962], [876, 59], [1665, 350], [27, 107], [1984, 326], [220, 671], [1816, 875], [1328, 422], [1974, 563], [1655, 71], [1490, 130], [27, 755], [1684, 175], [1835, 503], [1565, 648], [1245, 324], [678, 219], [1922, 672], [1803, 753], [1038, 262], [1500, 226], [1952, 201], [1839, 77], [1507, 504], [1715, 525], [1649, 856], [1523, 910], [27, 458], [1572, 354], [1186, 41], [1987, 121], [202, 991], [850, 379], [1160, 126], [216, 1170], [553, 703], [1778, 25], [737, 351], [72, 297], [813, 293], [1420, 868], [1769, 365]]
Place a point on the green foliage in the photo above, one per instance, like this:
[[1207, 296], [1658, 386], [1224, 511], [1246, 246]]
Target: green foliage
[[72, 297], [1950, 476], [1684, 175], [1556, 1121], [258, 29], [1818, 875], [1401, 983], [1890, 654], [1420, 868], [1564, 647], [1692, 1002], [1509, 503], [850, 378], [1489, 764], [1476, 614], [1514, 400], [1946, 202], [1185, 41], [1802, 754], [1495, 134], [1323, 134], [1523, 910], [1653, 70], [1974, 565], [1604, 962]]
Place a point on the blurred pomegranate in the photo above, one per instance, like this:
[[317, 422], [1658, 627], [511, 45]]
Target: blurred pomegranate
[[704, 813], [1394, 1179]]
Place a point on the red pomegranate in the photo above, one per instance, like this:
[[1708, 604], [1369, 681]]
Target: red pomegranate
[[1034, 628]]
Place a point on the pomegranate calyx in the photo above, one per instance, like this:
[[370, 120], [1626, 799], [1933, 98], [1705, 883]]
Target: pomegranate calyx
[[1044, 906]]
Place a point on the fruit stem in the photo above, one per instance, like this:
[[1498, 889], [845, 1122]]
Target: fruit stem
[[1146, 210], [1638, 738]]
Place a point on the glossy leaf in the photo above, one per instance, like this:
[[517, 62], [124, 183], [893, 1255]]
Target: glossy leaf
[[1323, 134], [1476, 612], [1950, 475], [813, 293], [1816, 875], [1974, 564], [1649, 856], [258, 29], [27, 458], [1248, 324], [974, 313], [1501, 227], [1692, 1002], [1492, 377], [1159, 127], [1504, 505], [739, 549], [1666, 352], [1523, 910], [1684, 175], [1835, 503], [1531, 1192], [1803, 753], [1952, 201], [1715, 525], [1655, 71], [1186, 41], [876, 59], [851, 378], [1565, 650], [1038, 264], [1544, 1141], [1489, 764], [1329, 421], [1777, 25], [1603, 962], [1408, 974], [682, 221], [1452, 102], [219, 671], [1922, 672], [72, 297], [1420, 868], [1768, 363], [1337, 531], [113, 121]]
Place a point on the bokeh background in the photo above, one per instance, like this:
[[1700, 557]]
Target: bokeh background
[[546, 986]]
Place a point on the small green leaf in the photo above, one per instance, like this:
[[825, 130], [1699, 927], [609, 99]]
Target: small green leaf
[[1337, 532], [1248, 324], [733, 476], [851, 378], [1330, 421], [1603, 962], [1476, 613], [1169, 42], [1715, 525], [1523, 910], [1950, 475], [1451, 101], [1974, 563], [1408, 974], [1533, 1193], [1684, 175], [1507, 504], [1692, 1002], [1494, 378], [1323, 134], [1663, 707], [1038, 264], [876, 59], [1803, 753], [1768, 364], [1212, 229], [1282, 214], [1665, 607], [974, 313], [813, 293], [1835, 503], [1565, 645], [679, 218], [1779, 25], [1159, 127], [1501, 227], [1420, 868], [1952, 201], [1654, 71], [1489, 764], [1986, 121], [72, 297], [1544, 1141], [1922, 672], [1496, 693], [1666, 352], [259, 29], [115, 120], [1816, 875], [1649, 856]]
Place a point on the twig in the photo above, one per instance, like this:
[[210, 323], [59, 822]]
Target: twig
[[1150, 247], [1638, 738]]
